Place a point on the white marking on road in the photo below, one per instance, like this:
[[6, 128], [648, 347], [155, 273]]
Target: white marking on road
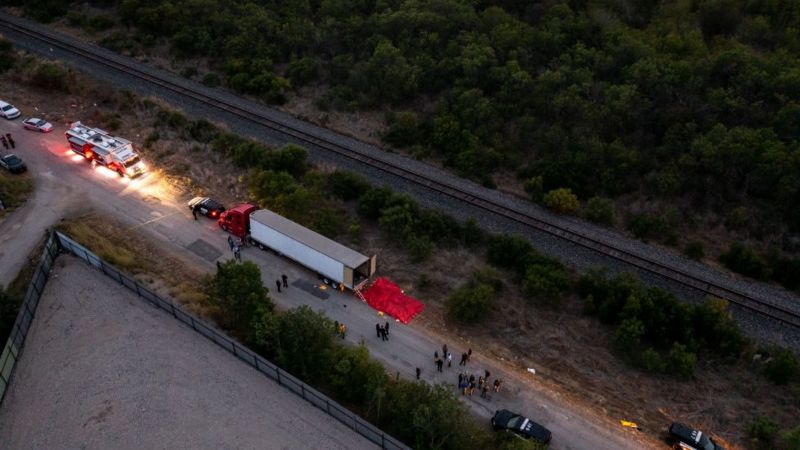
[[151, 221]]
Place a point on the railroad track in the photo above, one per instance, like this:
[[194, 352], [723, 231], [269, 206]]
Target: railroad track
[[674, 274]]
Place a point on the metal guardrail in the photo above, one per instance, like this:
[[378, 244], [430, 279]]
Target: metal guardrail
[[59, 241]]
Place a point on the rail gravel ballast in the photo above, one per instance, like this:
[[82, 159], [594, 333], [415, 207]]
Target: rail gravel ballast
[[673, 274]]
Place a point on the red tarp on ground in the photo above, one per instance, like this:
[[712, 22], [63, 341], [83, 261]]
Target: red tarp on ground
[[387, 297]]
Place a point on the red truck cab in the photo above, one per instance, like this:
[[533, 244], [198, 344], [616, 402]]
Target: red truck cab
[[236, 221]]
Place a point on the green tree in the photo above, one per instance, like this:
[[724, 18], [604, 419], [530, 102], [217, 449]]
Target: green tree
[[347, 185], [561, 200], [237, 291], [7, 56], [372, 202], [694, 250], [304, 343], [744, 260], [354, 376], [510, 252]]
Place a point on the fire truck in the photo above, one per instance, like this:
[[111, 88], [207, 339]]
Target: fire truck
[[99, 147]]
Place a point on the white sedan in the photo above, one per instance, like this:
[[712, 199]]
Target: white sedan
[[8, 111], [37, 124]]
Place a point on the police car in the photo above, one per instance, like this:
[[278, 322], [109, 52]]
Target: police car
[[520, 425], [683, 437], [206, 206]]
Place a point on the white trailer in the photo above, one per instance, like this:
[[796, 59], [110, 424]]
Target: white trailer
[[337, 264], [113, 152]]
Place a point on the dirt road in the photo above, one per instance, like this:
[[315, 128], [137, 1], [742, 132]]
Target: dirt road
[[66, 184]]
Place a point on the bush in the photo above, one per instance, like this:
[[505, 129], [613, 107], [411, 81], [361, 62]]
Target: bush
[[650, 360], [354, 376], [510, 252], [600, 210], [534, 187], [471, 302], [100, 22], [290, 158], [211, 79], [790, 440], [694, 250], [744, 260], [782, 368], [561, 200], [373, 201], [419, 248], [403, 129], [302, 71], [648, 226], [45, 10], [7, 56], [681, 362], [347, 185], [546, 282], [50, 76], [762, 433]]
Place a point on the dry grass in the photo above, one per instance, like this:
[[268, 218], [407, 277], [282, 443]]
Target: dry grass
[[14, 190]]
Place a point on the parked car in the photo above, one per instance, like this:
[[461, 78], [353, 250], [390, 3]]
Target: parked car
[[684, 437], [13, 164], [37, 124], [8, 111], [206, 206], [506, 420]]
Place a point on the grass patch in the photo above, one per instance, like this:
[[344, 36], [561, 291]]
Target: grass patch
[[103, 244], [14, 191]]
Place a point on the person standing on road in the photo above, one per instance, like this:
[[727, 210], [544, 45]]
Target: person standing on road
[[285, 280], [230, 242], [10, 141], [4, 141], [237, 253], [278, 283], [469, 354], [444, 350], [378, 329], [463, 360], [497, 384], [385, 334], [449, 359], [460, 379], [419, 371], [439, 364], [484, 390], [435, 355], [386, 328], [194, 212]]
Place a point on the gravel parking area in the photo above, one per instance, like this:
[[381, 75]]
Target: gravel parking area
[[103, 369]]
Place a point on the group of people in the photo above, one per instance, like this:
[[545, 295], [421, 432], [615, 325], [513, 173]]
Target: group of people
[[7, 141], [468, 384], [382, 331]]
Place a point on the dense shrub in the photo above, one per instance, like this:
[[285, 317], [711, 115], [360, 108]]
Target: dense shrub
[[510, 252], [694, 250], [373, 201], [347, 185], [51, 76], [652, 320], [546, 282], [600, 210], [649, 226], [783, 367], [744, 260], [762, 433], [471, 302], [561, 200], [7, 56]]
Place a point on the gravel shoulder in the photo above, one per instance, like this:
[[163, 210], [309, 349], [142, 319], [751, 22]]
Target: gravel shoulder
[[102, 369]]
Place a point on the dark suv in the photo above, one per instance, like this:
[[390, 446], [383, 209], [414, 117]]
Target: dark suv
[[681, 436], [13, 164]]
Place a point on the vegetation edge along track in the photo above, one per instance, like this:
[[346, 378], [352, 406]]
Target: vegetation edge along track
[[684, 278]]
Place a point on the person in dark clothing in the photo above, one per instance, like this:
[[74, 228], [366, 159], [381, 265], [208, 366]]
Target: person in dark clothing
[[435, 355], [469, 354], [419, 371], [487, 374], [439, 364], [194, 213], [460, 379], [463, 360], [11, 141], [237, 253], [497, 385], [378, 330], [384, 334], [230, 242], [285, 280], [444, 350], [219, 265], [386, 327], [278, 283], [4, 141], [484, 390]]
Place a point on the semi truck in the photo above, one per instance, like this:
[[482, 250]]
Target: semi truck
[[99, 146], [337, 265]]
